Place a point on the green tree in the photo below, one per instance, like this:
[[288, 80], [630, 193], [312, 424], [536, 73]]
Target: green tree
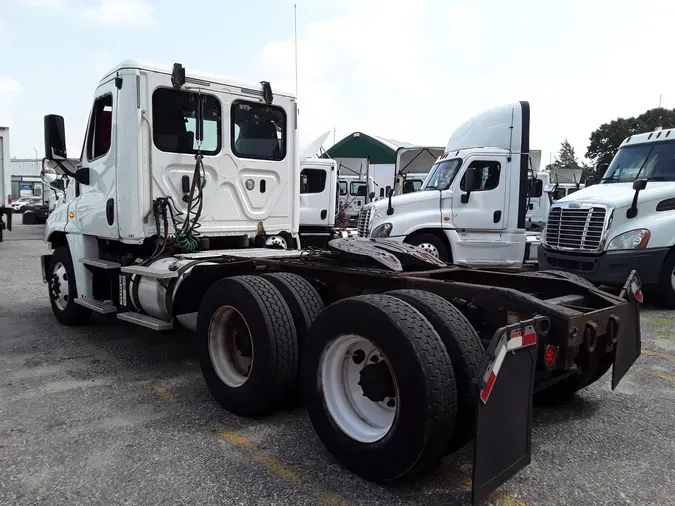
[[607, 138], [566, 158]]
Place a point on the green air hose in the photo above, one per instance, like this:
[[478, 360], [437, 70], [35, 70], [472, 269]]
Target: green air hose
[[186, 224]]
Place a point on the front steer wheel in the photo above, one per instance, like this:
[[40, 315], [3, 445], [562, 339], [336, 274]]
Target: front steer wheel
[[379, 387], [247, 345], [63, 291]]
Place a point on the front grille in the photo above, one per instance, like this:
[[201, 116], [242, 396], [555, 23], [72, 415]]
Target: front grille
[[364, 221], [578, 229]]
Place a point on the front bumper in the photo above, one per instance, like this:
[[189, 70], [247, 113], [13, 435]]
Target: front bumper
[[610, 268]]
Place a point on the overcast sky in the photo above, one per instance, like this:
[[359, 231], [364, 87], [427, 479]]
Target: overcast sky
[[410, 70]]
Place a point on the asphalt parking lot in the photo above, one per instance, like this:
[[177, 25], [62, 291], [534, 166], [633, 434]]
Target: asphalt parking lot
[[114, 414]]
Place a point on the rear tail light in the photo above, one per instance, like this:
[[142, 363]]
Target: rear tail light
[[550, 356]]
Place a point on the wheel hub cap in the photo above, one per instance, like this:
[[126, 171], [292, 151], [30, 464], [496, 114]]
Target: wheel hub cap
[[429, 248], [58, 289]]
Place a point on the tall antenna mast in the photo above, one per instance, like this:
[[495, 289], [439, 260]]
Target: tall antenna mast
[[295, 34]]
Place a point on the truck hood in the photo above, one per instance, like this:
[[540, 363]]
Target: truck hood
[[405, 200], [621, 194]]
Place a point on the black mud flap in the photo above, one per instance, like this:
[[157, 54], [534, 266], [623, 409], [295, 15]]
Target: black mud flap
[[45, 260], [503, 430], [629, 342]]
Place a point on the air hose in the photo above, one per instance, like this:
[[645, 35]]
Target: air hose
[[186, 224]]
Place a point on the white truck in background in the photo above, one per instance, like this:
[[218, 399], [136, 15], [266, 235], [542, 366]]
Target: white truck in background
[[472, 207], [5, 183], [412, 167], [625, 222]]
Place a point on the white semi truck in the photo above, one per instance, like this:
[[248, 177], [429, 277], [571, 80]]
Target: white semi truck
[[626, 222], [396, 367], [5, 183], [472, 207]]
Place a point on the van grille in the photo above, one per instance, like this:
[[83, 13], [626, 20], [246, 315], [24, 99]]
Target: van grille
[[364, 221], [579, 229]]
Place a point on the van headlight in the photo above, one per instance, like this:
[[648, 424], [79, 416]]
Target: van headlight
[[383, 230], [633, 239]]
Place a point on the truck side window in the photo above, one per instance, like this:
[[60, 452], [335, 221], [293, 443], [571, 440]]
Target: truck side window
[[99, 136], [174, 122], [343, 187], [488, 171], [312, 180], [258, 131], [358, 189]]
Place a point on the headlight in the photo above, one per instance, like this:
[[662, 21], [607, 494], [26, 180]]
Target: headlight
[[383, 230], [634, 239]]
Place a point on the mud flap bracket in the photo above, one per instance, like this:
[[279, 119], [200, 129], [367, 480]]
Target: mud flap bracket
[[502, 444]]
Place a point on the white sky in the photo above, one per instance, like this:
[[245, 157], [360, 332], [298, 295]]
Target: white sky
[[410, 70]]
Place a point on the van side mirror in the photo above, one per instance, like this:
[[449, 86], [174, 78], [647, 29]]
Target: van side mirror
[[55, 138], [536, 188], [470, 180]]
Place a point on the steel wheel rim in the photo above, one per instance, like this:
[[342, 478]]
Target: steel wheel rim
[[430, 248], [59, 286], [355, 414], [228, 335], [672, 279]]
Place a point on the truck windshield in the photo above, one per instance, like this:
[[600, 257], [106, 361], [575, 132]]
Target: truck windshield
[[655, 162], [442, 174]]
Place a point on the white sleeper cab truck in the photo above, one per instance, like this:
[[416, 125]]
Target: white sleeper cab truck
[[626, 222], [168, 151], [471, 209], [5, 183]]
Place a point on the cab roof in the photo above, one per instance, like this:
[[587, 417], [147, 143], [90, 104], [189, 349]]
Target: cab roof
[[655, 136], [190, 75]]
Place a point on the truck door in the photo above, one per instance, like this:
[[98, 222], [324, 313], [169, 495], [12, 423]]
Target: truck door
[[484, 208], [95, 208], [316, 197]]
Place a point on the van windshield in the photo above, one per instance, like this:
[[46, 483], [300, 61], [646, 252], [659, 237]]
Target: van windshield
[[655, 162], [442, 174]]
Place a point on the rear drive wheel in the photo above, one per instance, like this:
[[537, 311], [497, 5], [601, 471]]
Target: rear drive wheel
[[247, 345], [63, 291], [379, 387], [466, 354], [304, 303], [431, 244]]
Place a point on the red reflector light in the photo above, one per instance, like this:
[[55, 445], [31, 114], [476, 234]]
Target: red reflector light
[[550, 355]]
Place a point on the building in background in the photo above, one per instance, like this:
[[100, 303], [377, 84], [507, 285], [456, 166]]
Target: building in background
[[25, 176]]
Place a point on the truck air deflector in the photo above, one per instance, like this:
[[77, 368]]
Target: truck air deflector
[[502, 445]]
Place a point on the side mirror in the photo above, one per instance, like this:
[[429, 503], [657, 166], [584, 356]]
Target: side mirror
[[536, 188], [371, 195], [48, 174], [470, 180], [639, 184], [390, 192], [55, 138]]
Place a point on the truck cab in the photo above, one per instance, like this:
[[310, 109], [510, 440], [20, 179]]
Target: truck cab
[[625, 222], [471, 208], [215, 151]]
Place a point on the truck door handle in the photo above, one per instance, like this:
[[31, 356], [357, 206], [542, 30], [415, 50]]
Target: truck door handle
[[497, 216]]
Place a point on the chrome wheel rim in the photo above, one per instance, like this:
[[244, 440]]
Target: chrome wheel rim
[[430, 248]]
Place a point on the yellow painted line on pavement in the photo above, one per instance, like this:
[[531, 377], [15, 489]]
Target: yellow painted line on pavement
[[658, 354], [323, 497], [165, 394], [666, 377], [496, 498]]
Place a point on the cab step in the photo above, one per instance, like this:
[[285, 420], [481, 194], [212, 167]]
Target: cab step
[[149, 272], [144, 321], [97, 306], [100, 263]]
